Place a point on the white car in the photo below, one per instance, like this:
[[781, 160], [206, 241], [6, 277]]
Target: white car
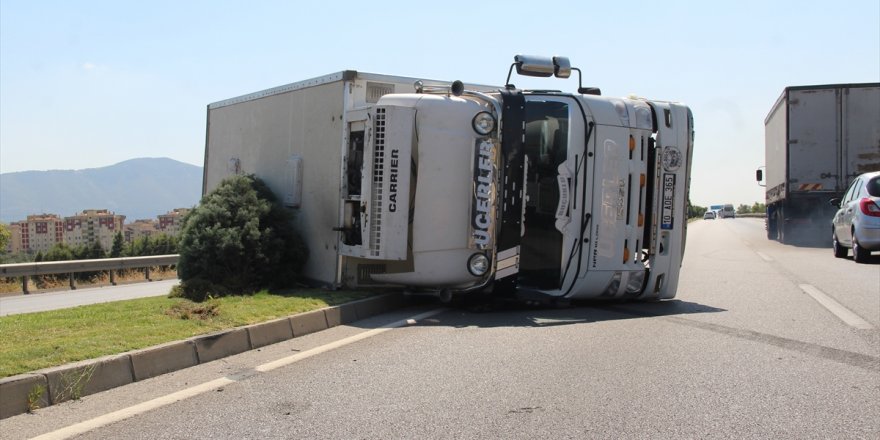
[[856, 225]]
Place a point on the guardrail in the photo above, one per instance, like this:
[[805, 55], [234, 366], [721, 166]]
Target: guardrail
[[25, 270]]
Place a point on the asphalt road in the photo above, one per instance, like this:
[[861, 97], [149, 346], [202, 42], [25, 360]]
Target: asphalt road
[[38, 302], [750, 348]]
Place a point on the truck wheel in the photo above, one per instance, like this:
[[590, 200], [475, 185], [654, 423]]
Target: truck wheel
[[780, 226], [770, 222], [860, 255], [839, 251]]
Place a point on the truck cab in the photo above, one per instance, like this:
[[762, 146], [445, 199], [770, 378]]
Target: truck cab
[[520, 193]]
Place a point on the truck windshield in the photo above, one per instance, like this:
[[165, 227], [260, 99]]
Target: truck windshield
[[546, 147]]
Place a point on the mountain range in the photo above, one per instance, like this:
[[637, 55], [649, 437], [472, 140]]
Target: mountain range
[[137, 188]]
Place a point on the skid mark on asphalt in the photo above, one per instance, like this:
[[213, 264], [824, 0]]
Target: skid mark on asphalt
[[863, 361]]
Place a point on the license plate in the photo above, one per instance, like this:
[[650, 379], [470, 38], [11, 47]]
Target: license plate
[[667, 217]]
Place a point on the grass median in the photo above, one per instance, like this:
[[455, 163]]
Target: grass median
[[33, 341]]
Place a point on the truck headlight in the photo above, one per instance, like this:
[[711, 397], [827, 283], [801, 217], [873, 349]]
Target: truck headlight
[[636, 282], [483, 123], [613, 285], [478, 264]]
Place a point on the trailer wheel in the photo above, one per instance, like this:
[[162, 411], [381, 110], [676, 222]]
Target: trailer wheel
[[772, 224], [776, 225], [860, 255], [839, 251]]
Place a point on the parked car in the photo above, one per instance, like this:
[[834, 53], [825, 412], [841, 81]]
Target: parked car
[[856, 225], [709, 215]]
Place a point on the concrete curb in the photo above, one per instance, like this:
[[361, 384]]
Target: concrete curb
[[41, 388], [270, 332], [221, 344], [161, 359], [340, 315], [309, 322], [72, 381], [23, 392]]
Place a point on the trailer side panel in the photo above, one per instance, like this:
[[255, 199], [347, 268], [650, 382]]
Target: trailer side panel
[[261, 136]]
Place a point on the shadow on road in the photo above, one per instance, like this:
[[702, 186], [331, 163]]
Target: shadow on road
[[872, 259], [515, 315]]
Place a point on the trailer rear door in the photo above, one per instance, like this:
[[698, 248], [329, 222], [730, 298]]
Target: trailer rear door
[[814, 139]]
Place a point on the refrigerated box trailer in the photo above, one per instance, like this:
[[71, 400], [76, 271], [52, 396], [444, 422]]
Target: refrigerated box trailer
[[456, 188], [817, 139]]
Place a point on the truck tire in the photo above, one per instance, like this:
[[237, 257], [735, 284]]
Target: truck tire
[[772, 226], [860, 254], [839, 251], [780, 225]]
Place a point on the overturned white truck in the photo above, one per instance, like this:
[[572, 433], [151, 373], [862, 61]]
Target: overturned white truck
[[451, 188]]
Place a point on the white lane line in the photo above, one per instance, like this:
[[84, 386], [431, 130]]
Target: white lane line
[[131, 411], [764, 256], [268, 366], [835, 307]]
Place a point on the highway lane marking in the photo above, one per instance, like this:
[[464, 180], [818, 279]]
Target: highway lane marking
[[836, 308], [131, 411], [134, 410], [764, 256]]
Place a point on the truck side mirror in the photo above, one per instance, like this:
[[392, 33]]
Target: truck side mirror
[[759, 175], [835, 201]]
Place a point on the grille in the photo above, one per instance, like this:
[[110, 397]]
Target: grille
[[365, 270], [378, 184], [378, 90]]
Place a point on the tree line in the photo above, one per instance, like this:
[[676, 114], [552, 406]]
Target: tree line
[[695, 211], [161, 244]]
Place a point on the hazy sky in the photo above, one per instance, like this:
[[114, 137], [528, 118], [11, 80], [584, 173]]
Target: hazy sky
[[86, 84]]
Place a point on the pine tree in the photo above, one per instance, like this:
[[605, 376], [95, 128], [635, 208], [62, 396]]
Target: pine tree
[[237, 241], [118, 245]]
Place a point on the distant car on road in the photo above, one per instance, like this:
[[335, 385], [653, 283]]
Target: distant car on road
[[856, 225], [727, 212], [709, 215]]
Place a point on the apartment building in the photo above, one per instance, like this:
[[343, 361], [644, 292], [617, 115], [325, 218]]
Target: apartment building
[[140, 229], [171, 222], [38, 233], [93, 225]]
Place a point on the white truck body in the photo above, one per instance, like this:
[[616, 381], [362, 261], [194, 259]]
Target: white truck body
[[817, 139], [560, 195]]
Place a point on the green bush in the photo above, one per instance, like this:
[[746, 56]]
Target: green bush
[[239, 240]]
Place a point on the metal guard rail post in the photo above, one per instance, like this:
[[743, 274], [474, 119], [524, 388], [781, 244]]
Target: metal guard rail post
[[25, 270]]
